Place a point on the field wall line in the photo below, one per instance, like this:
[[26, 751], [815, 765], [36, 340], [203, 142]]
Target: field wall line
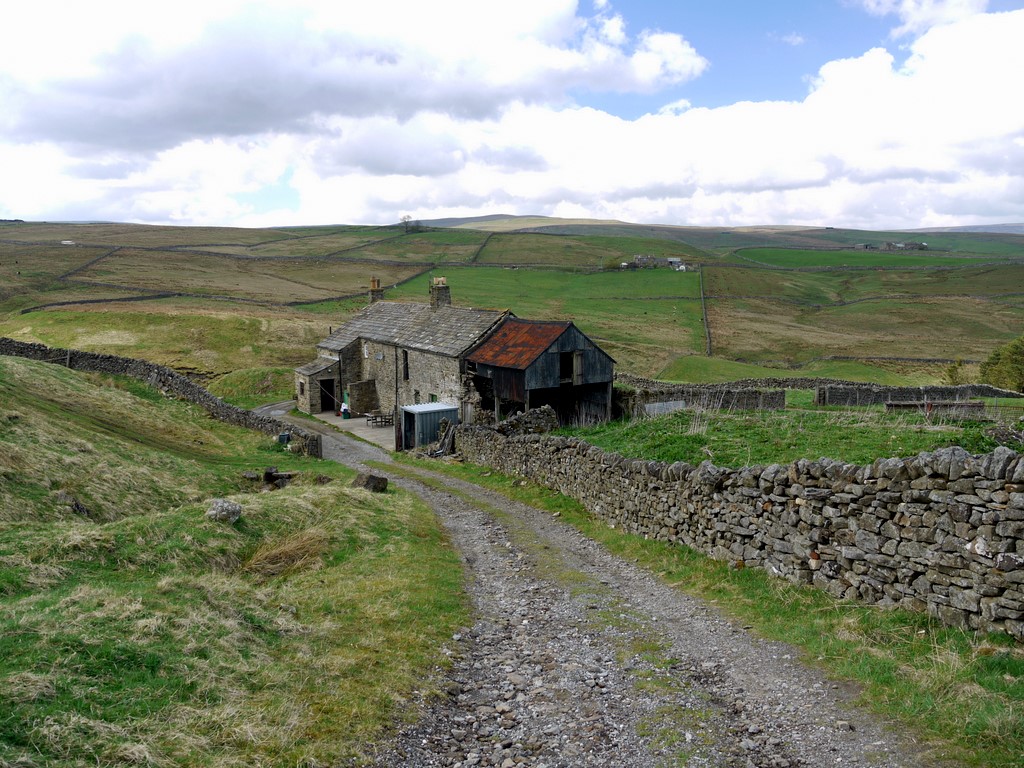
[[704, 314]]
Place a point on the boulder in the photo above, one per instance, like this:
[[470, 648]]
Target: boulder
[[373, 483], [224, 511]]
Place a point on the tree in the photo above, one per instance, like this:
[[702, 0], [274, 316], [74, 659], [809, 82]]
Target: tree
[[407, 221], [1005, 366], [954, 375]]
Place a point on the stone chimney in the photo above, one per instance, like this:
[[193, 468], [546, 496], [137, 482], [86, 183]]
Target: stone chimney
[[440, 293], [376, 292]]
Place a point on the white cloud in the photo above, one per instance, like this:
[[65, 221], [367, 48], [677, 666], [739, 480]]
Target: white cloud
[[465, 108], [794, 39], [135, 81], [920, 15]]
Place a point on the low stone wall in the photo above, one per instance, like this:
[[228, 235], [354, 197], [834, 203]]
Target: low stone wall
[[167, 381], [963, 410], [642, 393], [692, 398], [941, 532], [801, 382], [868, 394]]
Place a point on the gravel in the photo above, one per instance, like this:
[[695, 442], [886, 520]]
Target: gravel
[[579, 658]]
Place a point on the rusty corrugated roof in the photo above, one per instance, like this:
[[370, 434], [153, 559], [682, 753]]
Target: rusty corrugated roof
[[517, 343]]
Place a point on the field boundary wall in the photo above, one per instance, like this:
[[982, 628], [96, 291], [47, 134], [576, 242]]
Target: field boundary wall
[[939, 532], [867, 394]]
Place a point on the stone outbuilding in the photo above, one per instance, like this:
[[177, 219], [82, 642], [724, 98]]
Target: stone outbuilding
[[487, 363]]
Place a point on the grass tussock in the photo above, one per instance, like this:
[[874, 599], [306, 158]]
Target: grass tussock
[[292, 553], [960, 694]]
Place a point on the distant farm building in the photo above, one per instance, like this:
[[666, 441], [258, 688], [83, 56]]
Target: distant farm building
[[486, 364], [644, 261], [904, 246]]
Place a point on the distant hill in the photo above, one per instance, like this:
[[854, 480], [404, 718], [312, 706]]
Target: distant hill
[[510, 223], [501, 222], [997, 229]]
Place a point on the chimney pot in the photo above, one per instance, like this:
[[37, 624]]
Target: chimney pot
[[376, 292], [440, 293]]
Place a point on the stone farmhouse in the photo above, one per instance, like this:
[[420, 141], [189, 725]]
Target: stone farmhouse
[[488, 364]]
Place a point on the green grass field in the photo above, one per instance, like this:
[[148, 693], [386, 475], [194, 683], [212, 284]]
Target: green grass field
[[759, 330], [138, 234], [143, 633], [740, 439], [990, 282], [579, 251], [278, 282], [787, 257], [187, 334], [451, 246]]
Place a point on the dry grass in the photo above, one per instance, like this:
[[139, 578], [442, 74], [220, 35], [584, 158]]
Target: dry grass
[[758, 330], [268, 281], [294, 552], [24, 687]]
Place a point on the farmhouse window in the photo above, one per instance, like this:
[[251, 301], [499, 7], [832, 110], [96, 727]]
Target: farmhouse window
[[302, 387], [405, 365]]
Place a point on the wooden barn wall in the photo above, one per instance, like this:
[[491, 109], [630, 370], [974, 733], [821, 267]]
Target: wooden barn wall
[[597, 366], [509, 384]]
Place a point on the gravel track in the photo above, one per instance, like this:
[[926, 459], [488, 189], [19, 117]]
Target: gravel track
[[579, 658]]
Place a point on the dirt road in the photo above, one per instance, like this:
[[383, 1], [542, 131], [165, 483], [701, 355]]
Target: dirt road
[[578, 658]]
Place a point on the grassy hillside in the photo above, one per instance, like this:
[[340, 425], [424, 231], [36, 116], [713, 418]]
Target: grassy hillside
[[263, 298], [134, 630]]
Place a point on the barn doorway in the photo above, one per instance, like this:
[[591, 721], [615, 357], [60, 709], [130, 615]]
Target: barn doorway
[[327, 401]]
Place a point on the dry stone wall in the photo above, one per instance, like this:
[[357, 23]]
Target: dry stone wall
[[868, 394], [644, 396], [167, 381], [940, 532]]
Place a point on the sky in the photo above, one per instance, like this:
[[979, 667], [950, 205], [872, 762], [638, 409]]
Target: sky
[[867, 114]]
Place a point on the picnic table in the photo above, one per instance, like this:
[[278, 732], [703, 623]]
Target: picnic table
[[379, 419]]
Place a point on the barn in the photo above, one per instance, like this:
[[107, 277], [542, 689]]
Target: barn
[[525, 364]]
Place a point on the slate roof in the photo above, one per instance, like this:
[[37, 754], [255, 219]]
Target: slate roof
[[318, 365], [444, 330], [518, 343]]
